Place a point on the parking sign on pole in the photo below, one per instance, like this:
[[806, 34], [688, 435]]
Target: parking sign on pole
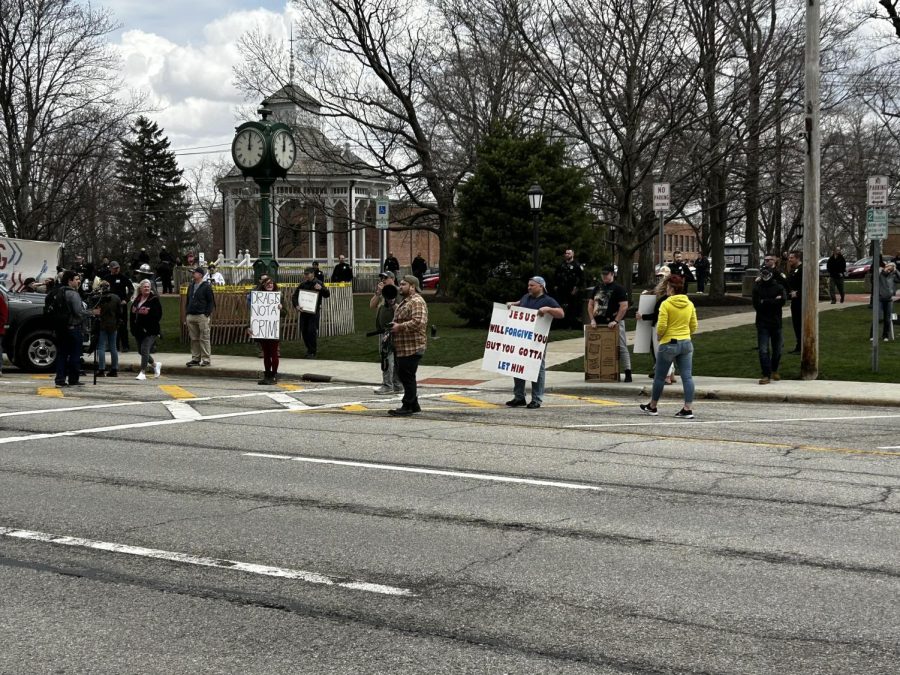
[[381, 213], [877, 191]]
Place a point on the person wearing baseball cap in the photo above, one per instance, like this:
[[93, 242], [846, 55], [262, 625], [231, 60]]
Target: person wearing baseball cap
[[535, 298], [769, 297], [384, 301], [123, 287], [410, 340], [200, 305], [607, 307], [309, 320]]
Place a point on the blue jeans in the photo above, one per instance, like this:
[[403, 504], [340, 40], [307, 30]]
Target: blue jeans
[[769, 361], [537, 387], [107, 338], [682, 353]]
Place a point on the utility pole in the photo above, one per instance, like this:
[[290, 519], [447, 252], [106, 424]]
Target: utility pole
[[809, 349]]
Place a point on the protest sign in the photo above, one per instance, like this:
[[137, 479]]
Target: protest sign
[[307, 301], [516, 342], [21, 259], [265, 315], [643, 332]]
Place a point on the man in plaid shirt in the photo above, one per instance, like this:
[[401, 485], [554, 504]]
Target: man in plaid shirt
[[408, 333]]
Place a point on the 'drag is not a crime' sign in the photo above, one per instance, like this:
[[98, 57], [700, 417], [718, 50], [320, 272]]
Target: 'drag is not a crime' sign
[[516, 342], [265, 315]]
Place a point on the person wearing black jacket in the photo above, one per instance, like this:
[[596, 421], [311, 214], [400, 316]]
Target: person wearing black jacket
[[419, 267], [568, 282], [768, 301], [309, 320], [680, 268], [121, 286], [795, 291], [701, 267], [107, 327], [200, 305], [391, 264], [836, 267], [342, 272], [146, 313]]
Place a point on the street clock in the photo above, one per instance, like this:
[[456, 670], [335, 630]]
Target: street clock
[[284, 150], [264, 151], [248, 148]]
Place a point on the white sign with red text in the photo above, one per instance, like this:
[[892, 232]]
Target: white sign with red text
[[516, 342], [21, 259]]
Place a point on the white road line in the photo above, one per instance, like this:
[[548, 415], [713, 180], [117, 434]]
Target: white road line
[[288, 401], [432, 472], [754, 421], [99, 406], [889, 447], [187, 559], [204, 418], [182, 410]]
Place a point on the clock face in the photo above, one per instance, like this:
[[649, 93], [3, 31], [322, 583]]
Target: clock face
[[248, 148], [284, 149]]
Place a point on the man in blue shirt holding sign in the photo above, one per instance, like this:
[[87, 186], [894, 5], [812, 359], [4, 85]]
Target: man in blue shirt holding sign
[[535, 298]]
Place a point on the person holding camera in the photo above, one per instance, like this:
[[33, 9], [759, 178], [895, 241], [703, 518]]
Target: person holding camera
[[107, 326], [384, 301]]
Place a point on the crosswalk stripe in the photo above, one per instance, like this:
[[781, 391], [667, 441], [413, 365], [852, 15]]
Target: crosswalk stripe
[[596, 401], [50, 392], [473, 402], [175, 391]]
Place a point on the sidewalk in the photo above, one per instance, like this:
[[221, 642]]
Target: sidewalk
[[470, 376]]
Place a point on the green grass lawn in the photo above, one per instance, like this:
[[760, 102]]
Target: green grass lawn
[[845, 352], [844, 348]]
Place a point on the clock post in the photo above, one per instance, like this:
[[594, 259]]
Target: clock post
[[264, 151]]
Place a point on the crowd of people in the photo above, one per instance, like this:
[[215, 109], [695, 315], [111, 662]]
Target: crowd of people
[[120, 309]]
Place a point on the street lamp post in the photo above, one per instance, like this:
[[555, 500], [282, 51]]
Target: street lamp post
[[535, 200]]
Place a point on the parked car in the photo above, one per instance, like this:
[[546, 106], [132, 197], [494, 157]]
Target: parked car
[[860, 268], [823, 265], [30, 342], [431, 278]]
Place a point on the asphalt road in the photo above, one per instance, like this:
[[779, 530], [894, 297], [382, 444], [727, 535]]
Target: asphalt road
[[211, 526]]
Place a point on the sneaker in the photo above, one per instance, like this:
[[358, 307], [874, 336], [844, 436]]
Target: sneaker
[[141, 376], [533, 405], [885, 339], [764, 380], [516, 403], [646, 407], [205, 364], [112, 373], [192, 363], [685, 414], [383, 391], [157, 369], [101, 373], [775, 377]]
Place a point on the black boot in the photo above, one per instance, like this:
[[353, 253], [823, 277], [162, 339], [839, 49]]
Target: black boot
[[267, 378], [628, 376]]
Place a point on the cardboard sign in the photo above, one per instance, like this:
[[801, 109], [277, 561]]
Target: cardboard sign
[[516, 342], [643, 332], [601, 353], [306, 300], [265, 315]]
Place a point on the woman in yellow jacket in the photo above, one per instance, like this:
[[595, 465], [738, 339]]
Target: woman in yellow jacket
[[676, 324]]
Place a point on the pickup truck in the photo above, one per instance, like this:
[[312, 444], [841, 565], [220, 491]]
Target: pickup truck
[[30, 342]]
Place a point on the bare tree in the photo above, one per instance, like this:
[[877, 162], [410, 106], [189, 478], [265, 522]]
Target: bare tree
[[620, 81], [58, 88]]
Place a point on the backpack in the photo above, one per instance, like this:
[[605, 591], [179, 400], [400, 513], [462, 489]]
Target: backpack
[[56, 308]]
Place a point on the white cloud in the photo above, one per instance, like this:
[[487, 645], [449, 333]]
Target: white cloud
[[189, 85]]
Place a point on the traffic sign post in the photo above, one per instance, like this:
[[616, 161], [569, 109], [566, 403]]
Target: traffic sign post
[[662, 202], [382, 215], [876, 224], [877, 192]]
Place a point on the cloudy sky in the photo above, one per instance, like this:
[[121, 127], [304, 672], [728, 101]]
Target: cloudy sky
[[180, 53]]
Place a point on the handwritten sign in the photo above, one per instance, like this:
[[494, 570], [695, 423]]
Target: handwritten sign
[[516, 342], [306, 300], [265, 315]]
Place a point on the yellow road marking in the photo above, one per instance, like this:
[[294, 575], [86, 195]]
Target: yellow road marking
[[596, 401], [290, 387], [41, 377], [176, 392], [354, 408], [50, 392], [473, 402]]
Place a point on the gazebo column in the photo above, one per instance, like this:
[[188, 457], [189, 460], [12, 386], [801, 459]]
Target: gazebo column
[[231, 206]]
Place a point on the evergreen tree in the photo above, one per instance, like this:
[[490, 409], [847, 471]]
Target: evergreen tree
[[153, 200], [493, 248]]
